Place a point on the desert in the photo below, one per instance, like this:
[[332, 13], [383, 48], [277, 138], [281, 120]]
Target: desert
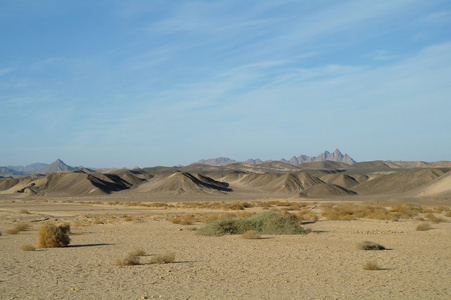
[[161, 212]]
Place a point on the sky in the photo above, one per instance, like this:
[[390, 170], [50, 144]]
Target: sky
[[112, 83]]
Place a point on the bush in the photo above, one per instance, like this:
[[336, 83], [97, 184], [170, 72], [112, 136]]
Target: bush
[[16, 229], [367, 245], [434, 219], [423, 227], [165, 258], [28, 247], [129, 260], [52, 236], [371, 265], [138, 252], [266, 223]]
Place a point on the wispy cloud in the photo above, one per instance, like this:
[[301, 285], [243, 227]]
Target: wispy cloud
[[380, 55], [4, 71]]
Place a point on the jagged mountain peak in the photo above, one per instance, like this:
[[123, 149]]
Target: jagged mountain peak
[[326, 155]]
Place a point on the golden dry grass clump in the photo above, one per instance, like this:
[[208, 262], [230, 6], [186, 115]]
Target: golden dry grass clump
[[130, 259], [165, 258], [371, 265], [433, 218], [348, 211], [52, 236], [423, 227], [28, 247], [18, 228]]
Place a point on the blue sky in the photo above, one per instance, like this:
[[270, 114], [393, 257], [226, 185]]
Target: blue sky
[[146, 83]]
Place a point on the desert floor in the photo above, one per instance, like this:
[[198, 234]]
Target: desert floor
[[324, 264]]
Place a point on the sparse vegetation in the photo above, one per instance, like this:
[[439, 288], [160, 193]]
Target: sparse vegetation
[[423, 227], [367, 245], [251, 235], [18, 228], [166, 258], [347, 212], [266, 223], [138, 252], [52, 236], [28, 247], [129, 260], [434, 219], [371, 265]]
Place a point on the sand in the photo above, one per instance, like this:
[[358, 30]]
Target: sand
[[324, 264]]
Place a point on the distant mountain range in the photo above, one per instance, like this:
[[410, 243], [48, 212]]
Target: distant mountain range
[[37, 168], [334, 156]]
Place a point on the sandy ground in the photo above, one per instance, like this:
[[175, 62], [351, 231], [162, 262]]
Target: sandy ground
[[324, 264]]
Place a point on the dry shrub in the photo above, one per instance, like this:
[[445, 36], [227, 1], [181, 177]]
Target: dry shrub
[[28, 247], [127, 218], [371, 265], [307, 216], [182, 219], [138, 252], [367, 245], [52, 236], [12, 231], [347, 212], [251, 235], [423, 227], [166, 258], [235, 206], [407, 211], [18, 228], [129, 260], [434, 219]]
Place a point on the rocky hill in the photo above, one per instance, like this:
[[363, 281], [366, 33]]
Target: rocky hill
[[325, 156]]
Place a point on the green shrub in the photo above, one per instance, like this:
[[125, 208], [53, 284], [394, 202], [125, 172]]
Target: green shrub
[[52, 236], [266, 223]]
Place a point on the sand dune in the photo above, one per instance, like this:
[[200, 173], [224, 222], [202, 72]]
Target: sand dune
[[398, 182], [71, 184], [182, 182], [441, 187], [324, 190], [239, 180], [342, 180]]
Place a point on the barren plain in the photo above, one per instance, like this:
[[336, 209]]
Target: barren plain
[[160, 213]]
